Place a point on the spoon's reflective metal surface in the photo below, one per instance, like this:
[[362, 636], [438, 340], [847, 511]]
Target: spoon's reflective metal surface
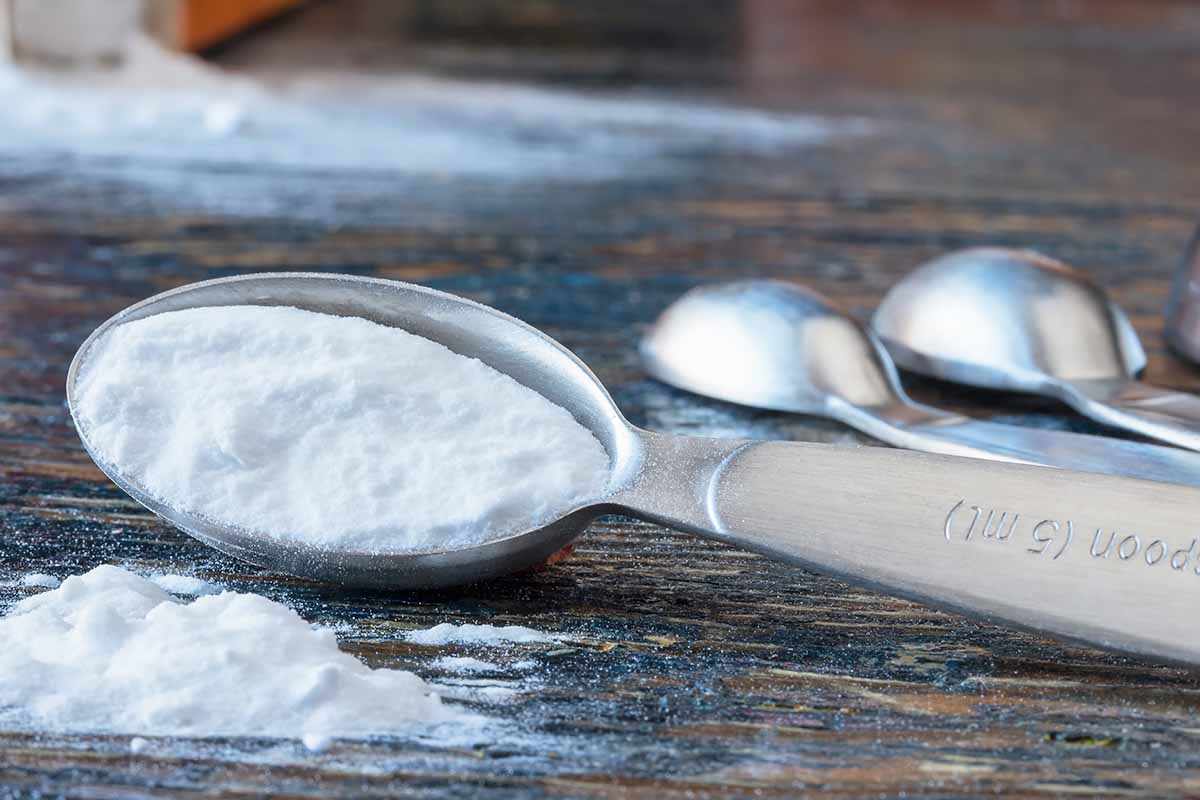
[[1019, 321], [1005, 542], [778, 346], [1183, 307]]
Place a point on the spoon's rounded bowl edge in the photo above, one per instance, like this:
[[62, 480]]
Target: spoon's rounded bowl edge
[[400, 570]]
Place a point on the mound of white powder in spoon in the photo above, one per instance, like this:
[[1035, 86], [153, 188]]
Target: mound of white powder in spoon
[[333, 431], [110, 651]]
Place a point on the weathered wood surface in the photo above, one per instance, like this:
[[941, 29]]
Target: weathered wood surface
[[696, 670]]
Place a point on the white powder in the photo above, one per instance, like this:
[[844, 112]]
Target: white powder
[[110, 651], [184, 584], [176, 132], [334, 431], [39, 579], [448, 633], [166, 109], [479, 694], [464, 664]]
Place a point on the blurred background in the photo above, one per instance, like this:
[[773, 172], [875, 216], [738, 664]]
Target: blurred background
[[1069, 95]]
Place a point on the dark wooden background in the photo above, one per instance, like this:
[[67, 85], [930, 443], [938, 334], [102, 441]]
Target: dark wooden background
[[694, 670]]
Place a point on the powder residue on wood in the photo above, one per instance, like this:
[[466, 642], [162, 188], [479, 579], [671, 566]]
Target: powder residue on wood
[[465, 664], [184, 585], [110, 651], [449, 633], [168, 107], [188, 134], [39, 579]]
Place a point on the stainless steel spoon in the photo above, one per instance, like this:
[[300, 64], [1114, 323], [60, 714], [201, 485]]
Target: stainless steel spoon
[[1005, 542], [778, 346], [1019, 321]]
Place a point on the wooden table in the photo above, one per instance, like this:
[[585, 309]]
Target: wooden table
[[692, 670]]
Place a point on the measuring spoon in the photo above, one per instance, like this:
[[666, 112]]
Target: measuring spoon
[[775, 345], [1019, 321], [1005, 542]]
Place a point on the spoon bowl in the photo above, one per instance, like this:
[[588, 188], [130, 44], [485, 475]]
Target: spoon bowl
[[1013, 320], [1019, 321], [466, 327], [769, 344]]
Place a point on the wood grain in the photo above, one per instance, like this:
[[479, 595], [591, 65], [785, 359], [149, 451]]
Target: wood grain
[[691, 670]]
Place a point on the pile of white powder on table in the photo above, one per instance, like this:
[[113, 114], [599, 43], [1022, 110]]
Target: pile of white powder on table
[[110, 651], [332, 431]]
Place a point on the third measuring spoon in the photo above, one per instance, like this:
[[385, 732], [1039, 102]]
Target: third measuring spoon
[[1019, 321]]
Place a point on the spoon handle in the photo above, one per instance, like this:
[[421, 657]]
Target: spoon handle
[[1109, 561], [1163, 414], [918, 427]]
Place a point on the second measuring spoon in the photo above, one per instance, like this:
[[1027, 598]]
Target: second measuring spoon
[[1018, 321], [774, 345]]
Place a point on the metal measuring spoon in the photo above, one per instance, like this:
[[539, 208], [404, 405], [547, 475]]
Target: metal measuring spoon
[[1019, 321], [995, 540], [775, 345]]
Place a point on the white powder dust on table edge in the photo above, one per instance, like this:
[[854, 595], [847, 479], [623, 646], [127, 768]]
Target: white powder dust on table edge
[[33, 579], [465, 664], [332, 431], [184, 584], [492, 694], [168, 582], [109, 651], [449, 633], [160, 109]]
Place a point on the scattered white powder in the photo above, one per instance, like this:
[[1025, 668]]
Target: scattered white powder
[[110, 651], [165, 108], [316, 742], [334, 431], [464, 664], [39, 579], [448, 633], [492, 693], [184, 584], [184, 133]]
